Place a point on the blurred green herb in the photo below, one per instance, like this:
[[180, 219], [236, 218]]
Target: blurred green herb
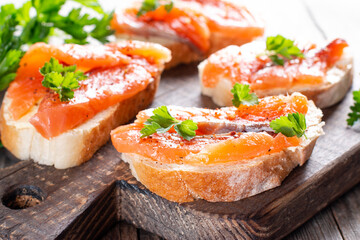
[[152, 5], [354, 115], [18, 28]]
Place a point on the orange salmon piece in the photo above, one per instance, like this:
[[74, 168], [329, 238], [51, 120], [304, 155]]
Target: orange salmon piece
[[171, 148], [103, 88], [193, 20], [186, 24], [209, 147], [166, 148], [115, 72], [230, 19], [270, 108], [256, 70], [242, 148]]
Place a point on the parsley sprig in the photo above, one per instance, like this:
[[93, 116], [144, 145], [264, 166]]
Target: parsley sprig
[[61, 79], [354, 115], [19, 28], [291, 125], [152, 5], [279, 49], [242, 95], [294, 124], [10, 53], [162, 121]]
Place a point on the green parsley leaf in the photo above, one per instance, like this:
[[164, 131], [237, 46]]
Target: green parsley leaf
[[152, 5], [163, 118], [169, 6], [280, 49], [162, 121], [10, 53], [292, 125], [73, 24], [186, 129], [61, 79], [8, 66], [354, 115], [93, 4], [23, 14], [46, 6], [102, 28], [149, 129], [6, 11], [242, 95], [18, 28]]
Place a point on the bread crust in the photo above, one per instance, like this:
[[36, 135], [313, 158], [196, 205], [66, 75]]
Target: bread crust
[[75, 146], [225, 182]]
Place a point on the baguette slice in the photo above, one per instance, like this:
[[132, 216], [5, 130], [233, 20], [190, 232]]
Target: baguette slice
[[336, 83], [216, 30], [76, 145], [73, 147], [227, 181]]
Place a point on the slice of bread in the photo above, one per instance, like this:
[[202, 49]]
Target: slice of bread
[[337, 82], [227, 181], [182, 50], [73, 147]]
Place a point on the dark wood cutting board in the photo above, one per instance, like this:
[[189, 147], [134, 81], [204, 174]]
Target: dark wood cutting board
[[83, 202]]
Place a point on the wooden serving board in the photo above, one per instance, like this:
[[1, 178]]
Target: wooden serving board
[[85, 201]]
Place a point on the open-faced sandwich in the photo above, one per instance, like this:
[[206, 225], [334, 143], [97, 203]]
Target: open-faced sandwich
[[185, 153], [279, 66], [191, 29], [66, 99]]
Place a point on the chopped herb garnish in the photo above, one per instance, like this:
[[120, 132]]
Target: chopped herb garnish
[[279, 49], [354, 115], [61, 79], [18, 29], [152, 5], [162, 121], [242, 95], [292, 125]]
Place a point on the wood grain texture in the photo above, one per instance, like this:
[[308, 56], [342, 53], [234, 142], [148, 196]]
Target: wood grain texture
[[80, 202], [347, 214], [86, 201], [122, 230], [322, 226]]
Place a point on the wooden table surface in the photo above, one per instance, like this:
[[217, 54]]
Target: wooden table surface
[[314, 20]]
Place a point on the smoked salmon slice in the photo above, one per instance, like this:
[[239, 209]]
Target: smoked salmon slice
[[194, 22], [235, 154], [250, 123], [115, 72], [248, 64]]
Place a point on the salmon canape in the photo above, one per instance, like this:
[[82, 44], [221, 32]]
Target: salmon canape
[[234, 152], [50, 117], [322, 73], [191, 29]]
